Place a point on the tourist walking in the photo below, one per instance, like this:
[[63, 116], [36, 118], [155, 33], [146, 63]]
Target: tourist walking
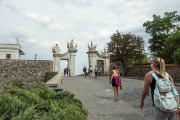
[[162, 89], [65, 71], [115, 81], [84, 71], [100, 71], [96, 71], [69, 72], [90, 70]]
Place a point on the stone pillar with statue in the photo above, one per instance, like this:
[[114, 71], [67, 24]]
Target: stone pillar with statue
[[56, 59], [101, 60], [72, 48], [70, 56]]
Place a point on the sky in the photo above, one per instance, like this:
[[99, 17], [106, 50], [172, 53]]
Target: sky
[[38, 24]]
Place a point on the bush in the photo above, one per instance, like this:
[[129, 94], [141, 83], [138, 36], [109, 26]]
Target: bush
[[39, 103]]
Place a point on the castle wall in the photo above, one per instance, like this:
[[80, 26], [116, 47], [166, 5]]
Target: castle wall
[[27, 71]]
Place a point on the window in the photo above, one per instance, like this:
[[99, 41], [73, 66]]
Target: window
[[8, 56]]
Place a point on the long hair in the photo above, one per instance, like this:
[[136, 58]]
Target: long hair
[[160, 64], [114, 67]]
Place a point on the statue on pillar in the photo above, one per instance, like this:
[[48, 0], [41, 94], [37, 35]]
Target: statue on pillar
[[92, 47], [71, 45], [104, 52], [55, 49]]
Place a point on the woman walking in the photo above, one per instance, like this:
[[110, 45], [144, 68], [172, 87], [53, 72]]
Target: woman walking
[[115, 81], [151, 78]]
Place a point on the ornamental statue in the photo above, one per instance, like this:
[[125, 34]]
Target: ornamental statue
[[55, 49], [71, 45], [104, 52], [92, 47]]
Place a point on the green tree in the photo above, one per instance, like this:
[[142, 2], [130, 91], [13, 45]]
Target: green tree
[[173, 45], [160, 29], [125, 48]]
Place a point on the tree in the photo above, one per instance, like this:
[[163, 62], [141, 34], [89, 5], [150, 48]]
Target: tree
[[125, 47], [173, 43], [159, 30]]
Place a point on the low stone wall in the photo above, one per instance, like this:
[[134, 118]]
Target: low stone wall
[[135, 71], [49, 75], [56, 82], [26, 71]]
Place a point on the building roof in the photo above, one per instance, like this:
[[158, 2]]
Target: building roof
[[13, 47]]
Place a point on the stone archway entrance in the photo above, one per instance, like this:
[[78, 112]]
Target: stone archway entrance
[[69, 56], [101, 60]]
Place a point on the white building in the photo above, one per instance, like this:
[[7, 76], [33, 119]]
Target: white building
[[10, 51]]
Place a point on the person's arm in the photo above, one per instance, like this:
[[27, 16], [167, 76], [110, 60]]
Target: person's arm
[[147, 80], [119, 75], [110, 75], [117, 71]]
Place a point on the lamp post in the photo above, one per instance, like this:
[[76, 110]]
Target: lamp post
[[140, 51], [140, 62]]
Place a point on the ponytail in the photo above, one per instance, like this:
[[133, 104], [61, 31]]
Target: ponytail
[[162, 69]]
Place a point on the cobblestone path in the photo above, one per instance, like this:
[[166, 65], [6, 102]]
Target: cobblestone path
[[98, 99]]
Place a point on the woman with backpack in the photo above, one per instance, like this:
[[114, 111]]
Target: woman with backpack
[[155, 79], [115, 81]]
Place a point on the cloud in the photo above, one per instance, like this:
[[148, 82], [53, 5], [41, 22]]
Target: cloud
[[56, 26], [40, 24]]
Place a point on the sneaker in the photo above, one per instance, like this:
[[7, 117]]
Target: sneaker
[[116, 99]]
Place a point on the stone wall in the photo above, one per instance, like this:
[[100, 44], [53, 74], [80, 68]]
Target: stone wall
[[26, 71], [49, 75], [135, 71]]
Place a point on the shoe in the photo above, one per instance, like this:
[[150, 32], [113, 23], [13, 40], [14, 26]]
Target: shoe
[[116, 99]]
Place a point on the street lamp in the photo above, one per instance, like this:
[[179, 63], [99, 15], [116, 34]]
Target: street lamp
[[139, 40]]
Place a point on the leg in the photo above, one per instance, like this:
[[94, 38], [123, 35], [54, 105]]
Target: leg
[[160, 115], [172, 116], [115, 93]]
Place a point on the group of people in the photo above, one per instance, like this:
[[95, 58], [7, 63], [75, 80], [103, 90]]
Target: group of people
[[165, 99], [67, 72], [97, 71]]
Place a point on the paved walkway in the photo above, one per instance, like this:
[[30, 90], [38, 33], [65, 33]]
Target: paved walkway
[[98, 99]]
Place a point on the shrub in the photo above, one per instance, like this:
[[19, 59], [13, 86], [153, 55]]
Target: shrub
[[39, 103]]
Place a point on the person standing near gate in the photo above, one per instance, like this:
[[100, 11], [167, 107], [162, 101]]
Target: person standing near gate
[[96, 70], [67, 69], [100, 71], [90, 70], [85, 71], [69, 72]]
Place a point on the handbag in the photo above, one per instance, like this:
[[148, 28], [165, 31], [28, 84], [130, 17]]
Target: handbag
[[120, 86]]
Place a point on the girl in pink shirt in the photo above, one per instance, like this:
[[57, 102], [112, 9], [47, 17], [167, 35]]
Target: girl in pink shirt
[[115, 81]]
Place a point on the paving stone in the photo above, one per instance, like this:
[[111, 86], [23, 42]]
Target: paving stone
[[98, 98]]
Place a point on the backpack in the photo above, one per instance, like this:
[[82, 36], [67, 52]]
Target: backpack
[[165, 95]]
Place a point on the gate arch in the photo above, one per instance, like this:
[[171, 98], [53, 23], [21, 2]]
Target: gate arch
[[69, 56], [98, 59]]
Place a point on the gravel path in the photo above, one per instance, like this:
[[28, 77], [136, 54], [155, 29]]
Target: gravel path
[[98, 99]]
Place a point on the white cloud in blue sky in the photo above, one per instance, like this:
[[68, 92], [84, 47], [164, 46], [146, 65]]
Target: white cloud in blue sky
[[38, 24]]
